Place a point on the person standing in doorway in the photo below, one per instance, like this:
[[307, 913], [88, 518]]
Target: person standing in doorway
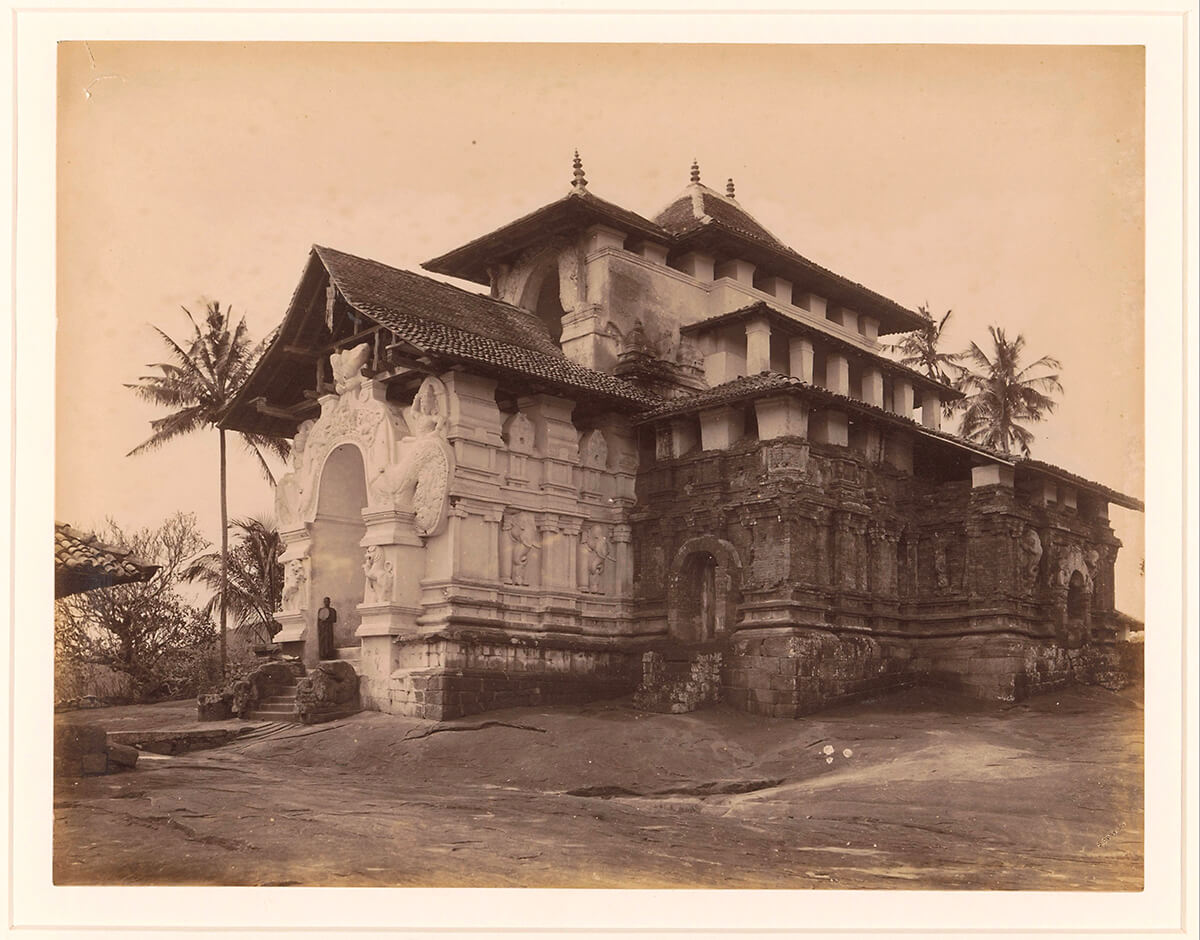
[[326, 618]]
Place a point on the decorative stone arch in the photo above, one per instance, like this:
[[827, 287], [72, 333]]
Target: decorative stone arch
[[546, 281], [703, 590], [1072, 586]]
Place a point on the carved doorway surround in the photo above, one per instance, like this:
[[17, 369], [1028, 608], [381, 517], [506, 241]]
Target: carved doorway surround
[[703, 590]]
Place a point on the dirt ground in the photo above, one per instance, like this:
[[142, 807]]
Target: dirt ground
[[917, 790]]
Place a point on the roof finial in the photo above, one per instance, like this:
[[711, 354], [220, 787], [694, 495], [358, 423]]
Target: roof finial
[[729, 188], [580, 181], [695, 171]]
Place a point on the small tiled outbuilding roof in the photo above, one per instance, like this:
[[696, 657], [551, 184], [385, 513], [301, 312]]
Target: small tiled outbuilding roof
[[796, 325], [82, 563]]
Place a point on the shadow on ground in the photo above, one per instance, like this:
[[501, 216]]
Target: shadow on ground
[[917, 790]]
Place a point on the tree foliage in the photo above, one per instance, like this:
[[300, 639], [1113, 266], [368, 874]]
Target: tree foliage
[[136, 629], [920, 349], [255, 577], [198, 384], [1001, 395]]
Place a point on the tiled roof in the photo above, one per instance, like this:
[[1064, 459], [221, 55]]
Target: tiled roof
[[83, 562], [371, 286], [578, 208], [690, 210], [1113, 495], [446, 321], [762, 307], [756, 386]]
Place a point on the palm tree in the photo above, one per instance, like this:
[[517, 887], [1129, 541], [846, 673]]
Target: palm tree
[[919, 348], [199, 383], [1000, 393], [255, 576]]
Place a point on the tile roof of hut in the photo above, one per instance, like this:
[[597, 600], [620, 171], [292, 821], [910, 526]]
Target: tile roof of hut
[[82, 563]]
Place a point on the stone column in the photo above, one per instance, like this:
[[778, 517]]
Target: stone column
[[898, 450], [778, 287], [721, 427], [391, 597], [698, 265], [813, 304], [654, 253], [296, 602], [758, 345], [837, 373], [623, 540], [737, 270], [781, 416], [872, 386], [992, 474], [902, 397], [848, 319], [800, 358], [683, 435], [931, 411]]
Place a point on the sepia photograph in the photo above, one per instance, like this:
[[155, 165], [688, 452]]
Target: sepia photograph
[[600, 465]]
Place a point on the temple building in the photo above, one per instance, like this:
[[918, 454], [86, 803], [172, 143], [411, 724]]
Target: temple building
[[654, 433]]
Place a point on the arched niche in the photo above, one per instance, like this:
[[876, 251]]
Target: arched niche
[[703, 590], [336, 557]]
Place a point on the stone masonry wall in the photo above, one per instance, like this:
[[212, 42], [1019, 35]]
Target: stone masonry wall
[[449, 677]]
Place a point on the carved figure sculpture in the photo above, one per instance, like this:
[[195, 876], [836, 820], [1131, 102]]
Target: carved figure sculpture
[[598, 552], [289, 493], [1031, 555], [1092, 560], [420, 477], [378, 573], [521, 530], [594, 450], [518, 434], [940, 571], [294, 580], [347, 367]]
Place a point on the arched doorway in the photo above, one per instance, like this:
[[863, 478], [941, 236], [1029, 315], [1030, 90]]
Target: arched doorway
[[1077, 597], [336, 555], [702, 596], [698, 598], [549, 307]]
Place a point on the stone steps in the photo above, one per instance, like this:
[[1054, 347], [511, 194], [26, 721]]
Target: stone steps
[[279, 706]]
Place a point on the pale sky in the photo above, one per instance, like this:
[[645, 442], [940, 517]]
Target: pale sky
[[1003, 182]]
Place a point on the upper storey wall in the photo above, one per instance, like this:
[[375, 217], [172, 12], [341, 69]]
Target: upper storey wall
[[604, 289]]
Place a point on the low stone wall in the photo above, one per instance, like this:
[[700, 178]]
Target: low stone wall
[[449, 677], [680, 682], [794, 671]]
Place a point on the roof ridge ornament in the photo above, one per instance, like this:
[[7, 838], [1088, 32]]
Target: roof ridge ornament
[[695, 171], [579, 182], [729, 188]]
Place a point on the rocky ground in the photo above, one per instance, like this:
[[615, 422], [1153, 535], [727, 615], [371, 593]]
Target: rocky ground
[[916, 790]]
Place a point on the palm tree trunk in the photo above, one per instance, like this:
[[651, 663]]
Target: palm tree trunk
[[224, 552]]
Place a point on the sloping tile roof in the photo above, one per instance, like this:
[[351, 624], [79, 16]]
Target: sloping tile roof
[[447, 321], [577, 209], [756, 386], [694, 208], [1112, 495], [945, 392], [83, 562]]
